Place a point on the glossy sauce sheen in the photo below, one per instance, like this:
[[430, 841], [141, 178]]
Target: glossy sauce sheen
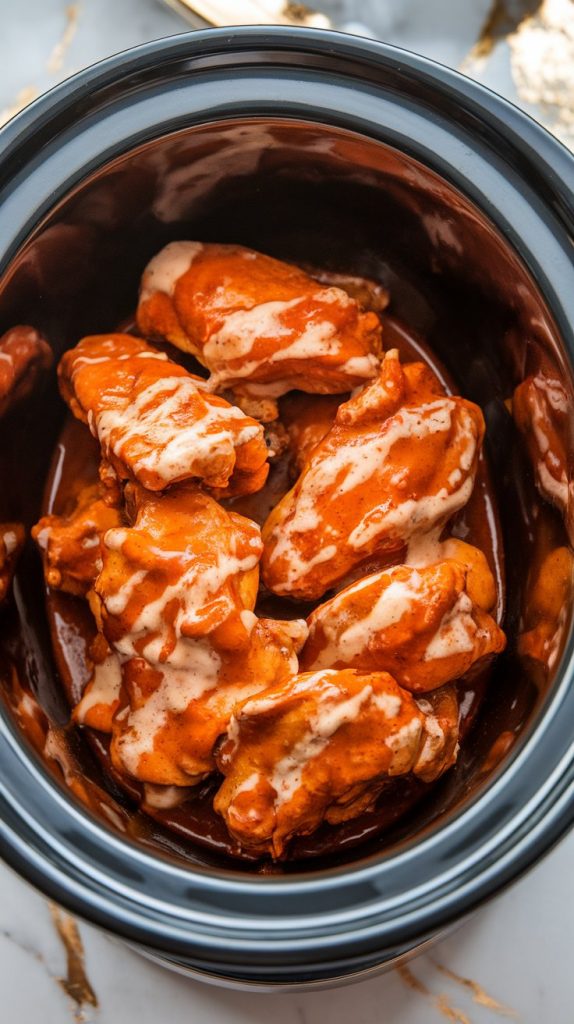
[[75, 463]]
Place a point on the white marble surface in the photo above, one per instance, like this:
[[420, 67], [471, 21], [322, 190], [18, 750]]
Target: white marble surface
[[519, 947]]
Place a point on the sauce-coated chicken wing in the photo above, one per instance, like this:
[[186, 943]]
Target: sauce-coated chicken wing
[[24, 354], [399, 461], [155, 422], [319, 747], [261, 326], [176, 596], [547, 611], [541, 410], [71, 544], [172, 714], [418, 624]]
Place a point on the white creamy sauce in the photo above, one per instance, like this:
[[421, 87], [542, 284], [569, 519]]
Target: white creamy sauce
[[404, 744], [164, 270], [351, 466], [103, 687], [249, 619], [411, 516], [193, 590], [456, 633], [555, 393], [425, 549], [117, 603], [318, 339], [192, 670], [392, 605], [91, 542], [287, 774], [244, 328], [158, 418], [164, 797], [434, 740], [555, 490], [10, 541], [80, 360], [363, 367], [395, 601], [246, 785], [299, 567]]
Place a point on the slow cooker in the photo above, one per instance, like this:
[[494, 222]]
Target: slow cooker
[[316, 147]]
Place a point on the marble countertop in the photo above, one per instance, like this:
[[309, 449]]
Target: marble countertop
[[512, 959]]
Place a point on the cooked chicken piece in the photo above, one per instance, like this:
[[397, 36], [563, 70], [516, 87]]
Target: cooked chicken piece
[[307, 419], [399, 461], [440, 746], [24, 355], [548, 607], [261, 327], [176, 597], [186, 569], [480, 585], [317, 747], [172, 714], [155, 422], [12, 537], [420, 625], [71, 544], [540, 406]]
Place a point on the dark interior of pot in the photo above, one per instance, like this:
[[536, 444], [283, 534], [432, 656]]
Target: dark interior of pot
[[322, 197]]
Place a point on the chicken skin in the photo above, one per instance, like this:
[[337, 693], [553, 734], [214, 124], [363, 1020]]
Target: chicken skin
[[261, 326], [418, 624], [155, 421], [319, 747], [176, 596], [398, 462], [12, 536], [71, 544], [540, 407], [24, 355], [547, 611]]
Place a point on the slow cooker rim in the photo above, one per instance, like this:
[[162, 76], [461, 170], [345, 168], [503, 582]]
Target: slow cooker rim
[[246, 36]]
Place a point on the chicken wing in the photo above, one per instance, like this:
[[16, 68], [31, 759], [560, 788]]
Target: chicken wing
[[546, 613], [399, 461], [12, 536], [155, 422], [176, 597], [24, 355], [540, 408], [418, 624], [262, 327], [318, 747], [172, 714], [71, 544], [439, 750]]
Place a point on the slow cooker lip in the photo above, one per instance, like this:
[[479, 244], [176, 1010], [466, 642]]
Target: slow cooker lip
[[493, 108]]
